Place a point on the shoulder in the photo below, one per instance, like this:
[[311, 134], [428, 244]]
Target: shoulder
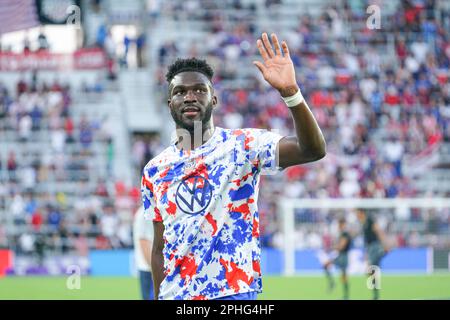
[[232, 134], [244, 136], [248, 133], [243, 131]]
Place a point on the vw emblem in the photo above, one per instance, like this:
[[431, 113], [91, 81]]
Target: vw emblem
[[193, 194]]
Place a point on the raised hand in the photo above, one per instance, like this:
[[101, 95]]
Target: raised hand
[[277, 69]]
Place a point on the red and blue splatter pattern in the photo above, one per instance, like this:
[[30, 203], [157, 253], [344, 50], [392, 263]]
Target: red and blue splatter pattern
[[207, 200]]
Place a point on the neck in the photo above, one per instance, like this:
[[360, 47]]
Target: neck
[[191, 139]]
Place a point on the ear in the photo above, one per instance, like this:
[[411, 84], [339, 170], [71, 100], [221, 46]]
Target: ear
[[169, 102], [214, 101]]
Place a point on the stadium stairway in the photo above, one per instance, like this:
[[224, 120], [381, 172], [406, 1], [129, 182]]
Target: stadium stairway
[[111, 110], [137, 97]]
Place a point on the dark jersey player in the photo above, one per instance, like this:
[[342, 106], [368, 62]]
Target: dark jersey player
[[341, 260], [375, 245]]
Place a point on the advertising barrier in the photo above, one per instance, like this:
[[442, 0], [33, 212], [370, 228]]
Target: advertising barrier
[[83, 59]]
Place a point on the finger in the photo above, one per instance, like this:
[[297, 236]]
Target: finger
[[276, 44], [260, 66], [285, 49], [262, 50], [267, 45]]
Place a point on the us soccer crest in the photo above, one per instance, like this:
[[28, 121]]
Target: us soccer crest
[[189, 166]]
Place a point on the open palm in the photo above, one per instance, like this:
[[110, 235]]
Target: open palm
[[277, 69]]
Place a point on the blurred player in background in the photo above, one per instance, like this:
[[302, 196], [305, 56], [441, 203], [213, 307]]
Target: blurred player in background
[[375, 244], [341, 260], [143, 239], [202, 192]]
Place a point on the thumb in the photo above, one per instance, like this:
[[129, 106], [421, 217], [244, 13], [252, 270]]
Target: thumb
[[260, 66]]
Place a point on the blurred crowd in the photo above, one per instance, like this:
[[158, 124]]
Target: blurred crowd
[[57, 186], [380, 96]]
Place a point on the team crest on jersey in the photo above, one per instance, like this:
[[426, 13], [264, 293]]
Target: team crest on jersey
[[189, 166], [193, 194]]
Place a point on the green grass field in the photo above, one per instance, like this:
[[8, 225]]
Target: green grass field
[[292, 288]]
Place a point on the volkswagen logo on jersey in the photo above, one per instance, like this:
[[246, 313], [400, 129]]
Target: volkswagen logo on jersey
[[194, 194]]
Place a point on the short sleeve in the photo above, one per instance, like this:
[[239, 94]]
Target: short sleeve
[[265, 145], [151, 211]]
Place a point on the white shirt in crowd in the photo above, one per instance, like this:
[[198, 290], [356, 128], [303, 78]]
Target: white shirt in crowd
[[142, 229]]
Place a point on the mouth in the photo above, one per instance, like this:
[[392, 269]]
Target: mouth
[[190, 111]]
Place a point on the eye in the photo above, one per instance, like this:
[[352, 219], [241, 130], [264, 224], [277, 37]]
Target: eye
[[201, 90]]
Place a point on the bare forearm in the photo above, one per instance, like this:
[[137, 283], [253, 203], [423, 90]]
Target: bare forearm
[[158, 257], [309, 135], [157, 271]]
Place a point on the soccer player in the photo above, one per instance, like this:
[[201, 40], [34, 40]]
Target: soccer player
[[341, 261], [201, 192], [143, 239], [375, 245]]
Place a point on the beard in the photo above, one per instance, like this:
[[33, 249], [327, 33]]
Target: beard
[[188, 124]]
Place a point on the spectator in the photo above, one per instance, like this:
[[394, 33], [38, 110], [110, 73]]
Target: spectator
[[109, 223], [81, 245], [11, 166], [54, 219], [17, 209], [140, 50], [27, 243], [42, 41], [25, 126], [86, 133], [127, 41], [26, 44]]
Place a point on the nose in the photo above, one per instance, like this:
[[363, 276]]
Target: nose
[[190, 96]]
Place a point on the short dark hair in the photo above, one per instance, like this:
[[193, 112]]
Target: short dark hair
[[190, 64]]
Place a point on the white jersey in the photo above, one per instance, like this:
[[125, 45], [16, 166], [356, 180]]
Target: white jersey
[[207, 201]]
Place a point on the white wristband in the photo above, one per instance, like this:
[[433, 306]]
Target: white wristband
[[294, 100]]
